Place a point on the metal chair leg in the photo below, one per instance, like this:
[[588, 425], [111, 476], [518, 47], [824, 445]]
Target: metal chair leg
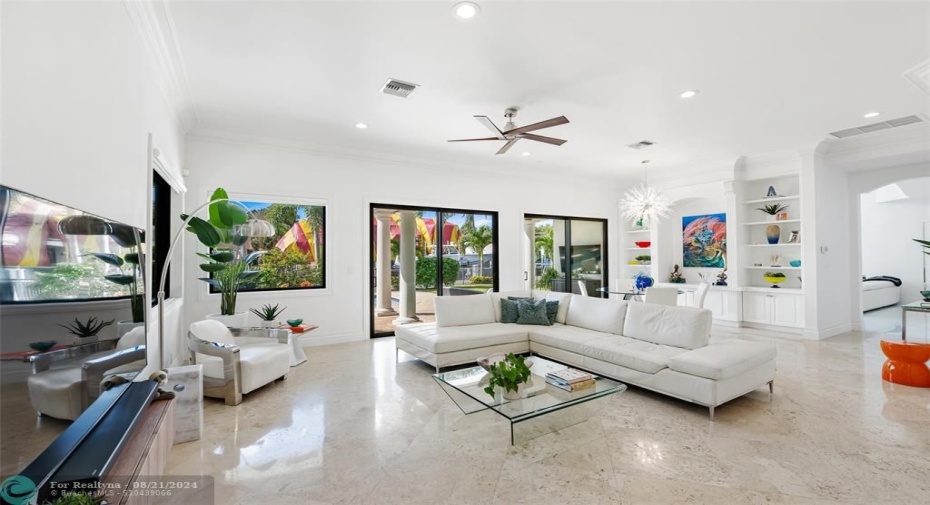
[[771, 388]]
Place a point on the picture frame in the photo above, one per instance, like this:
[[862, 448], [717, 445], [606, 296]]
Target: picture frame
[[795, 237]]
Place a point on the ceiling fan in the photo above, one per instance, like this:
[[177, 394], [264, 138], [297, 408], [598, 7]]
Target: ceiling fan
[[512, 134]]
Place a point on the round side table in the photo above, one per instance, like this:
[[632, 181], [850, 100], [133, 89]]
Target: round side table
[[906, 363]]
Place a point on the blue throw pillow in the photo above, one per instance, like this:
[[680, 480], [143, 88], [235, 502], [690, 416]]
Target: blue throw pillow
[[532, 312], [552, 308], [509, 311]]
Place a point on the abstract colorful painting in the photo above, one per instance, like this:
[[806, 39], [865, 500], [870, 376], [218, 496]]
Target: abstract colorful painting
[[704, 241]]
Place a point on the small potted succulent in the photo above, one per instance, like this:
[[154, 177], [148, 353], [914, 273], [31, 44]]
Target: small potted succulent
[[86, 332], [268, 314], [775, 210], [510, 374]]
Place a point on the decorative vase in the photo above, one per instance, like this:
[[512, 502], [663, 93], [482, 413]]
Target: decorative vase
[[85, 340], [772, 233], [643, 281], [237, 320], [269, 324]]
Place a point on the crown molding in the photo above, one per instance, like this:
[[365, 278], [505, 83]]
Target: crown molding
[[910, 144], [471, 165], [767, 165], [154, 25], [920, 76]]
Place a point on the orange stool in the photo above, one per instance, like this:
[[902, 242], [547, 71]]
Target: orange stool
[[907, 363]]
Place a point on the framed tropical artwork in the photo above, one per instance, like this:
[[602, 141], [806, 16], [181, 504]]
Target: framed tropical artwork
[[704, 241]]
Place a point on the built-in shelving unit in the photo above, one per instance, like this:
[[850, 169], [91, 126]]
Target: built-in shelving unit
[[629, 236], [763, 304]]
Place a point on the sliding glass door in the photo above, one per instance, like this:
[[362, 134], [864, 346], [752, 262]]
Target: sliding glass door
[[568, 254], [419, 253]]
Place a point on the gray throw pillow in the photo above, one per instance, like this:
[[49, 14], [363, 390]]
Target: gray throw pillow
[[509, 312], [532, 312], [552, 308]]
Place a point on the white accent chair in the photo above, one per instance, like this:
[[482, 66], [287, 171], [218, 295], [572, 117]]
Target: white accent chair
[[662, 296], [234, 366], [582, 288], [65, 392], [700, 294]]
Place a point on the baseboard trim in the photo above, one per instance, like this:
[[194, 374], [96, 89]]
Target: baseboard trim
[[825, 333]]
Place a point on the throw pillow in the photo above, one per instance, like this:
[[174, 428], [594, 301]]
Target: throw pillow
[[518, 298], [509, 311], [552, 308], [532, 312]]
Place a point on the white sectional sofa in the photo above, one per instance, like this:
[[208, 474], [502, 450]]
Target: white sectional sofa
[[657, 347]]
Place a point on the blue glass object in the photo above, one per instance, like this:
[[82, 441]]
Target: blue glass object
[[642, 281]]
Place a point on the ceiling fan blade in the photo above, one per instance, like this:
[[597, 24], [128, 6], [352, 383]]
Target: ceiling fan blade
[[543, 138], [538, 126], [472, 140], [491, 126], [507, 146]]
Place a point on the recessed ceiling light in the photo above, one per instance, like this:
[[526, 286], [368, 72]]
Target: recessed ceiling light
[[465, 10], [361, 126], [690, 93], [871, 114], [525, 153]]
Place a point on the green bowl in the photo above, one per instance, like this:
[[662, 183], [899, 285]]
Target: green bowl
[[294, 322], [926, 295], [43, 345]]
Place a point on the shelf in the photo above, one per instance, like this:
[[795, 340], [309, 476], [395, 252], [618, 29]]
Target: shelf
[[636, 266], [773, 199], [775, 268], [757, 223], [637, 231], [774, 245], [638, 249], [762, 289]]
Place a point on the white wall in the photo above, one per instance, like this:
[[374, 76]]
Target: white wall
[[349, 186], [886, 232], [79, 99]]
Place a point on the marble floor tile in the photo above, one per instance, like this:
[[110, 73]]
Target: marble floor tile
[[353, 426]]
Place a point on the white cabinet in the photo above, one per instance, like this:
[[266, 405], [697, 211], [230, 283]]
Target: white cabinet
[[722, 303], [776, 309]]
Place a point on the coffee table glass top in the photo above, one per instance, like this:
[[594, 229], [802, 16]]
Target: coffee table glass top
[[466, 388]]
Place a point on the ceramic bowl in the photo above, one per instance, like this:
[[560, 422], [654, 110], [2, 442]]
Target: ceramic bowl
[[43, 345], [775, 280], [795, 263], [643, 244], [294, 322], [926, 295]]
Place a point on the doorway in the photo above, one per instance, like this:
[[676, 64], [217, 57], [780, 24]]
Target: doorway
[[566, 254], [419, 253]]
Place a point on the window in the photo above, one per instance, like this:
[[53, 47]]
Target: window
[[294, 258], [161, 233]]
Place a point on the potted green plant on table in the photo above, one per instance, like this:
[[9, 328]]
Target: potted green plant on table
[[510, 374], [227, 263], [268, 314], [85, 332]]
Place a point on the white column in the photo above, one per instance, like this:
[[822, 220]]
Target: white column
[[383, 268], [408, 289], [529, 229]]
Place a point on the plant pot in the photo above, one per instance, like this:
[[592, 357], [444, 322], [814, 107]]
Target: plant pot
[[237, 320], [269, 324], [513, 395], [772, 233], [124, 327], [86, 340]]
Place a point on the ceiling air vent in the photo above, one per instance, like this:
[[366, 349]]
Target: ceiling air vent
[[874, 127], [398, 88], [642, 144]]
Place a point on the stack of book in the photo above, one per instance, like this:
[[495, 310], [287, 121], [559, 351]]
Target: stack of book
[[570, 379]]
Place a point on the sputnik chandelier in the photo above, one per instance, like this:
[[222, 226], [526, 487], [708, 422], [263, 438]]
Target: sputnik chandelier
[[645, 205]]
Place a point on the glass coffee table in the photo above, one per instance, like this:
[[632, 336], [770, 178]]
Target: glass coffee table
[[539, 401]]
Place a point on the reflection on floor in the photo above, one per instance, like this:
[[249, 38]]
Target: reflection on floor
[[353, 426]]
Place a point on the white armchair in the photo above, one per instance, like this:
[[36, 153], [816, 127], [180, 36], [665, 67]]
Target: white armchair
[[236, 365], [66, 391]]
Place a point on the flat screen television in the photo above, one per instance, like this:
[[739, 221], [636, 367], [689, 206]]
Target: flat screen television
[[60, 266]]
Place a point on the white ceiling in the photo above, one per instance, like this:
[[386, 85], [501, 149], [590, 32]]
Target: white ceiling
[[773, 76]]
